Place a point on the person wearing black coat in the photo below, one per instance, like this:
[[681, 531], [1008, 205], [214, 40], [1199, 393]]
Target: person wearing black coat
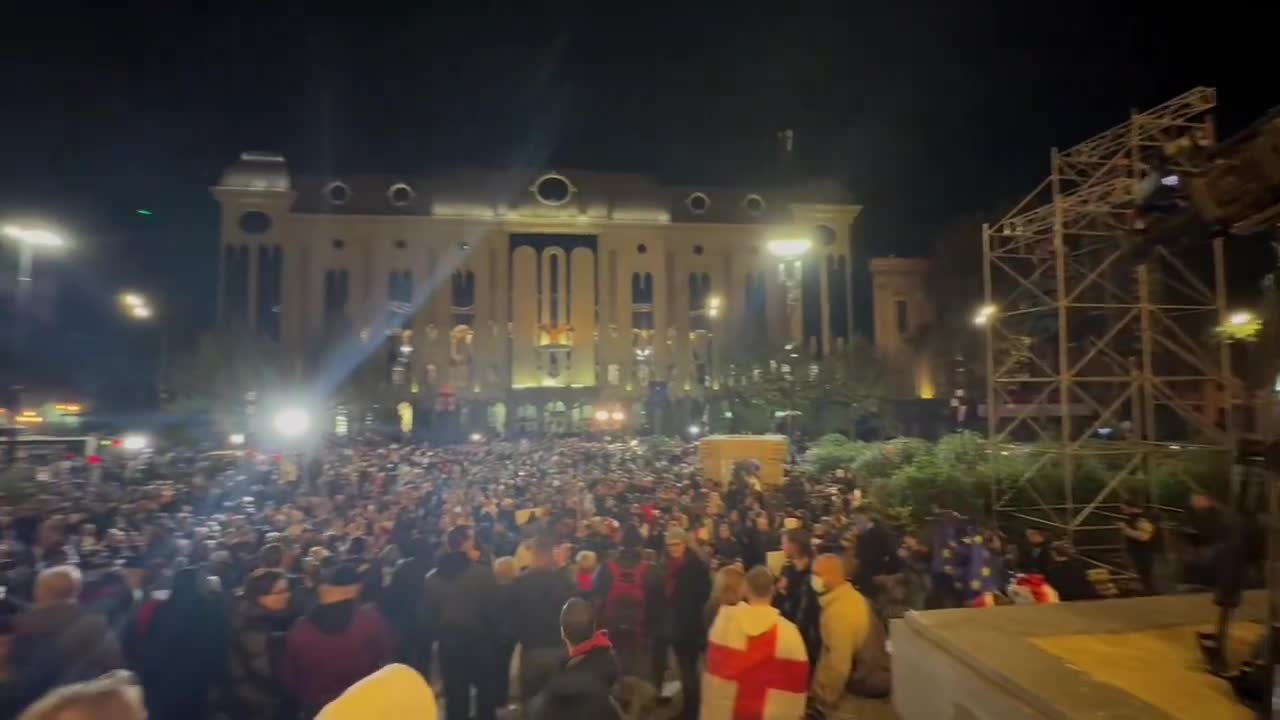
[[686, 587], [460, 611], [795, 597], [540, 593], [184, 651], [581, 690]]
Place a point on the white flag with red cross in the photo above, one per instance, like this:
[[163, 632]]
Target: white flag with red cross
[[757, 667]]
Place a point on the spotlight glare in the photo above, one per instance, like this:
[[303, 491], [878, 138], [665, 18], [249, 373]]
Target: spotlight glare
[[291, 422]]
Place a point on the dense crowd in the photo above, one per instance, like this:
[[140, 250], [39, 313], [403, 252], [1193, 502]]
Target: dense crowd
[[262, 588]]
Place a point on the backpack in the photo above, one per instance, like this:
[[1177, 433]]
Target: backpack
[[624, 606]]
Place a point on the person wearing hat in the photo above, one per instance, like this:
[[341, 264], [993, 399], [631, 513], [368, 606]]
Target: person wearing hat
[[336, 644]]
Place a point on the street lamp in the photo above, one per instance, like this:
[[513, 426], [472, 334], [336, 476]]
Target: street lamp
[[789, 252], [132, 299], [1241, 318], [28, 239], [135, 442], [984, 315]]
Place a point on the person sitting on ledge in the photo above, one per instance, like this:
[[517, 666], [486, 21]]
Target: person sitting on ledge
[[854, 657]]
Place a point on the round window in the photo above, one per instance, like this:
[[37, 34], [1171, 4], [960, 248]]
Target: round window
[[255, 222], [337, 193], [400, 244], [642, 248], [339, 244], [553, 190], [400, 194], [754, 204], [697, 249], [697, 203]]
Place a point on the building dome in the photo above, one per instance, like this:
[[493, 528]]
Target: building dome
[[257, 171]]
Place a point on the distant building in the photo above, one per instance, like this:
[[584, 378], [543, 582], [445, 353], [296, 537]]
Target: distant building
[[903, 309], [540, 294]]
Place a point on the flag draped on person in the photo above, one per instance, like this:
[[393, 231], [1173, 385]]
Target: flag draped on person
[[757, 667]]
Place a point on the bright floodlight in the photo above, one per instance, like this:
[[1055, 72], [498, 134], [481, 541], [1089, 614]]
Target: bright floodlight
[[694, 430], [476, 437], [291, 422], [789, 248], [602, 415], [713, 302], [134, 442], [984, 315], [235, 439], [34, 236], [141, 312], [618, 415], [1240, 318]]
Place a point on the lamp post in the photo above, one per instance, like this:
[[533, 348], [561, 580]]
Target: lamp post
[[790, 252], [139, 308], [29, 240]]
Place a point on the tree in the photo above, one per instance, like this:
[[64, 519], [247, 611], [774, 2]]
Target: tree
[[227, 364]]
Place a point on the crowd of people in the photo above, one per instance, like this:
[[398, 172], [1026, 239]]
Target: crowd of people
[[259, 588]]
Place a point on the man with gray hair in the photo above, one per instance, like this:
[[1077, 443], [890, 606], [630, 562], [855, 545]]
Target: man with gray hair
[[114, 696], [58, 642]]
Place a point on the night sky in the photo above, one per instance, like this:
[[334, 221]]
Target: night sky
[[927, 113]]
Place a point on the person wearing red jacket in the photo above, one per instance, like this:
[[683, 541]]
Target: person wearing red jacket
[[336, 644]]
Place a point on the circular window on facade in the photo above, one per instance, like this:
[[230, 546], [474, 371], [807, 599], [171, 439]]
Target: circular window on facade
[[400, 194], [642, 248], [697, 250], [338, 193], [754, 204], [339, 244], [400, 244], [697, 203], [553, 189], [255, 222]]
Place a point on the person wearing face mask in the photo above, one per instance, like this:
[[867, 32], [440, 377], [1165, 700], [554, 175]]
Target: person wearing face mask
[[854, 658]]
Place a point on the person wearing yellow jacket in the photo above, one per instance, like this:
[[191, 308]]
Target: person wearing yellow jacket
[[854, 657], [396, 692]]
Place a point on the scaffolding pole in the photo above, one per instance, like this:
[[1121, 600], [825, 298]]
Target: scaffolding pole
[[1100, 363]]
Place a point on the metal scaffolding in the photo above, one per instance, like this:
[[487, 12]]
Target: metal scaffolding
[[1101, 361]]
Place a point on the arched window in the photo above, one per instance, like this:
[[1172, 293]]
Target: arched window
[[336, 290], [699, 291], [642, 301], [463, 294]]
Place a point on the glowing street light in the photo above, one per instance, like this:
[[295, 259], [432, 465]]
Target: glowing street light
[[134, 442], [235, 439], [617, 416], [1241, 318], [141, 312], [984, 315], [788, 248], [602, 415], [132, 299], [713, 306], [695, 431], [291, 422], [33, 237], [476, 437]]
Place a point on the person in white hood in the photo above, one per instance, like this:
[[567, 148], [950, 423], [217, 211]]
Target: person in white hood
[[757, 667]]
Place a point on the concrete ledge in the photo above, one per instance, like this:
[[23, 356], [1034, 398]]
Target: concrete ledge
[[981, 663]]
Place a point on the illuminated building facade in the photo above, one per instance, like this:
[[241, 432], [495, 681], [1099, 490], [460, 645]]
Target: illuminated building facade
[[534, 299]]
